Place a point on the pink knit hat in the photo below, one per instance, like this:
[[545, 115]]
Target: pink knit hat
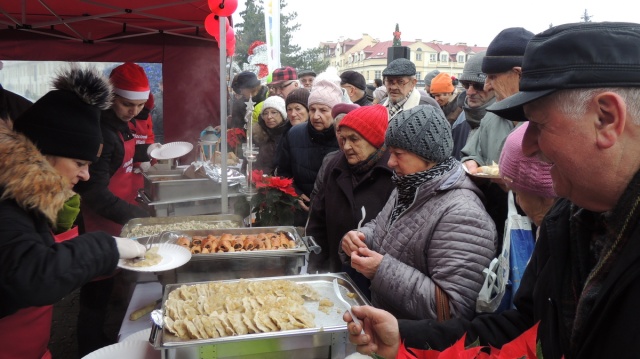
[[522, 173], [325, 92]]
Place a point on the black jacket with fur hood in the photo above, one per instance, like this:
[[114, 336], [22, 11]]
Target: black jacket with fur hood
[[34, 270]]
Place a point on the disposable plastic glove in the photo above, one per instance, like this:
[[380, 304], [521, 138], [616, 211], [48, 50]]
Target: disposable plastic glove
[[152, 147], [128, 248], [144, 166]]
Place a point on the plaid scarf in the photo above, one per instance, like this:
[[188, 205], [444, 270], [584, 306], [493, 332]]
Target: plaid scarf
[[396, 108], [407, 185], [596, 241]]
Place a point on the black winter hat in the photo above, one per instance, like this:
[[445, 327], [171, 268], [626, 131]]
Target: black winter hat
[[299, 95], [246, 80], [65, 122], [506, 50], [353, 78], [571, 56]]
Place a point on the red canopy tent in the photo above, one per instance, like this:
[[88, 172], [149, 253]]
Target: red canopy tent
[[170, 32]]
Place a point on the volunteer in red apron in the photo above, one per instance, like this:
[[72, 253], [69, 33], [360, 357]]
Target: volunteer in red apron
[[108, 197], [142, 128], [54, 142]]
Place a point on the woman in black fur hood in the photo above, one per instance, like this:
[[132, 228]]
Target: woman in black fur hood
[[41, 258]]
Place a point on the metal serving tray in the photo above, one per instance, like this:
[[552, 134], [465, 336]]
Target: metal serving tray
[[172, 185], [329, 335], [153, 221], [186, 206], [249, 264]]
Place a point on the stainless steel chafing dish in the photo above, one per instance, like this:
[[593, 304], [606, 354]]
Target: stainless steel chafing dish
[[171, 193], [327, 340], [136, 224], [236, 265]]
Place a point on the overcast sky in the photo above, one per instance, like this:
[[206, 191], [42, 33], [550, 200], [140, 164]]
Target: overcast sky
[[452, 21]]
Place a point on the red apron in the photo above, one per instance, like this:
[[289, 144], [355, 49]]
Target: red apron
[[140, 132], [25, 334], [122, 186]]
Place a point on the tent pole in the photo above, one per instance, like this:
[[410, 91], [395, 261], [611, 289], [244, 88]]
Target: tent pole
[[222, 45]]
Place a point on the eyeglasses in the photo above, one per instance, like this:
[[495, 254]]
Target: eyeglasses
[[282, 86], [476, 86], [396, 82]]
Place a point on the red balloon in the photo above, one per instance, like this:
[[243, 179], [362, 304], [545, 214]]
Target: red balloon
[[223, 7], [212, 25]]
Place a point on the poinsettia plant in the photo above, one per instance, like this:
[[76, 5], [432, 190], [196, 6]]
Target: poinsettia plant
[[522, 347], [276, 200], [235, 137]]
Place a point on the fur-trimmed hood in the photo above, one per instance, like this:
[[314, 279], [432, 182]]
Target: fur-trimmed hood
[[27, 177]]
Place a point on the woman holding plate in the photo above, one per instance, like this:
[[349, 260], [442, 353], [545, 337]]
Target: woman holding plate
[[54, 142]]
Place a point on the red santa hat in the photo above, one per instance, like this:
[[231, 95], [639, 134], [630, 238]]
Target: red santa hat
[[130, 81]]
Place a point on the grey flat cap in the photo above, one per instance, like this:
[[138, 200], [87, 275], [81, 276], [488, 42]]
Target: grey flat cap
[[400, 67]]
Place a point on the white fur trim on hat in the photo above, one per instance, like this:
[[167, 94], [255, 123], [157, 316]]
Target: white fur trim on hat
[[132, 95]]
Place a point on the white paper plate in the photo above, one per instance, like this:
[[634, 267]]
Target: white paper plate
[[142, 335], [173, 256], [171, 150], [482, 175], [134, 349]]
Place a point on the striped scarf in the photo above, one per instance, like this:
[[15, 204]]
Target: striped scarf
[[407, 185]]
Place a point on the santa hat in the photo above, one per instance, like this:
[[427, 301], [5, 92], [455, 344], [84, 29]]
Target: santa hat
[[130, 81]]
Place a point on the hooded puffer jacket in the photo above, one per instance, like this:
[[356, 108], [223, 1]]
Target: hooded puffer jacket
[[444, 238]]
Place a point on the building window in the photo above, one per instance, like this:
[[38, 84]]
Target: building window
[[418, 56], [444, 57], [432, 57], [378, 74], [418, 75], [461, 59]]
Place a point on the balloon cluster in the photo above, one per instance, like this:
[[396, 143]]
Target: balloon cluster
[[221, 8]]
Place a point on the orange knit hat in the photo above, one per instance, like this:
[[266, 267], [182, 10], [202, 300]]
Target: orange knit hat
[[441, 83]]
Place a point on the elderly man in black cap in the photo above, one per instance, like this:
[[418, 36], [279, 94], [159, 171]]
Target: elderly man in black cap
[[582, 284], [502, 65], [355, 85], [306, 78], [400, 82]]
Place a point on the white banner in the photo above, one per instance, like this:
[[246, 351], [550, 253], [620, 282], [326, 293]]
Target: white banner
[[272, 30]]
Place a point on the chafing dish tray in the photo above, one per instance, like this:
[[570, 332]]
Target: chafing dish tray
[[236, 265], [166, 186], [327, 321], [144, 227]]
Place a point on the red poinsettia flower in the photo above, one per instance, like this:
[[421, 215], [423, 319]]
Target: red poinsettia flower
[[524, 346], [276, 199]]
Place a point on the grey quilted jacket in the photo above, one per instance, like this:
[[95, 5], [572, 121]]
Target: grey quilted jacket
[[445, 238]]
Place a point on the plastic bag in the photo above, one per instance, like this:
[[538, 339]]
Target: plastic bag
[[505, 272]]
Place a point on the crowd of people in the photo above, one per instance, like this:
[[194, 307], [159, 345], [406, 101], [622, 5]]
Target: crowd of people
[[388, 177]]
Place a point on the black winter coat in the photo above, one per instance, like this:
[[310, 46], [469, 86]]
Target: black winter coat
[[613, 327], [301, 154], [336, 208], [35, 271], [95, 192]]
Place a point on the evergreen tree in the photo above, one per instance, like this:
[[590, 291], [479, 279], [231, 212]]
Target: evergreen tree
[[252, 29]]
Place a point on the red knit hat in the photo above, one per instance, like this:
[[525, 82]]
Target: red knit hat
[[442, 83], [130, 81], [369, 121]]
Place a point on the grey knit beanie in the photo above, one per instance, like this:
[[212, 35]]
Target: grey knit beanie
[[422, 130], [473, 69], [429, 77]]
